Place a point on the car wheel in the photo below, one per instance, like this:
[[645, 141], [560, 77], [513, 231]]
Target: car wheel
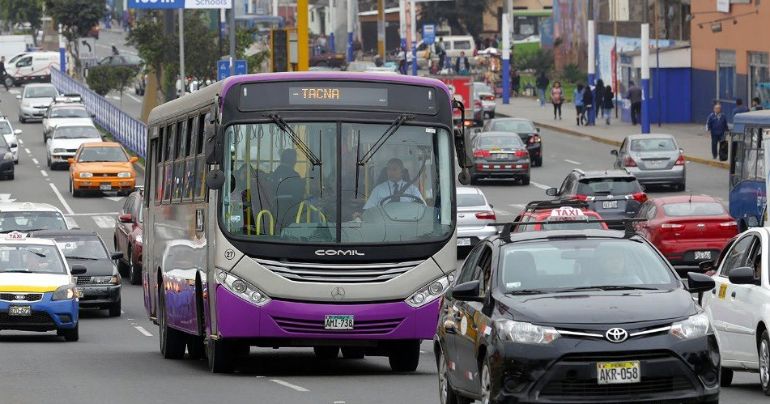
[[134, 273], [69, 334], [353, 353], [405, 357], [21, 119], [486, 384], [446, 393], [75, 193], [525, 180], [172, 342], [680, 186], [326, 352], [726, 377], [115, 309], [764, 362]]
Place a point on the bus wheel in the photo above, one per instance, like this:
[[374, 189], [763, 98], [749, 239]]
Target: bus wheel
[[195, 349], [172, 342], [405, 356], [219, 356], [353, 353], [326, 352]]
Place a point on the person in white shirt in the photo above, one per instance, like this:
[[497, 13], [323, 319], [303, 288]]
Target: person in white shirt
[[395, 185]]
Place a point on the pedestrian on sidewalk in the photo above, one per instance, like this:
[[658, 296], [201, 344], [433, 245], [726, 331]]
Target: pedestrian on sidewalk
[[608, 103], [588, 106], [462, 65], [577, 97], [739, 107], [756, 104], [599, 98], [3, 72], [557, 97], [542, 84], [515, 82], [716, 124], [635, 96]]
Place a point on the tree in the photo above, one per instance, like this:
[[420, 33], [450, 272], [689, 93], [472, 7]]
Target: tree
[[23, 11], [77, 17], [151, 43], [103, 79], [465, 17], [536, 59]]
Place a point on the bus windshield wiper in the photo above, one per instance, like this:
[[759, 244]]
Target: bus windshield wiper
[[302, 146], [384, 138]]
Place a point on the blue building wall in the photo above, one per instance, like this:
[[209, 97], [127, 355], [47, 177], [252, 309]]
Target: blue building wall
[[704, 86], [671, 100]]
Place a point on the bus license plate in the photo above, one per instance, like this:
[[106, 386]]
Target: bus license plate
[[618, 372], [19, 311], [703, 255], [463, 242], [105, 187], [338, 322], [610, 204]]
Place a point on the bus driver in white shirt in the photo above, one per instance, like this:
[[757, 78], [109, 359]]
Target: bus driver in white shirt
[[395, 185]]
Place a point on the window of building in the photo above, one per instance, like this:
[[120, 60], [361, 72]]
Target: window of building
[[726, 75], [759, 72]]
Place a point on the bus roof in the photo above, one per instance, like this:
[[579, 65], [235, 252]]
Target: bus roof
[[753, 118]]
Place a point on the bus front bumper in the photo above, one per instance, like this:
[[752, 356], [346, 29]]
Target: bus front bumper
[[289, 322]]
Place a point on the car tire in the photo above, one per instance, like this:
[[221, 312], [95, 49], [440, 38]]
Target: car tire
[[21, 119], [70, 334], [447, 394], [486, 383], [405, 356], [219, 356], [725, 377], [763, 352], [134, 273], [10, 176], [114, 310], [172, 342], [680, 187], [525, 180], [74, 192], [326, 352], [353, 353]]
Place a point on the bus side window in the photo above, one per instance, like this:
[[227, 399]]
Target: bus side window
[[200, 161], [189, 163], [158, 158], [179, 155], [168, 162]]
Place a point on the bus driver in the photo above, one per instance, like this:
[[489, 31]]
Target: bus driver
[[395, 185]]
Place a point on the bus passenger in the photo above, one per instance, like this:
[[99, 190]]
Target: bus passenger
[[288, 188], [395, 184]]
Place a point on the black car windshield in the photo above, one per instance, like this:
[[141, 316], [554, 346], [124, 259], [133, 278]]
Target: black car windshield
[[500, 142], [653, 144], [694, 209], [558, 265], [82, 247], [69, 113], [509, 125], [32, 258], [40, 92], [28, 221], [102, 154], [76, 132], [609, 186]]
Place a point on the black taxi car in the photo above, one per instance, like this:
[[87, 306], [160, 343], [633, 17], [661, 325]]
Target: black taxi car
[[574, 316]]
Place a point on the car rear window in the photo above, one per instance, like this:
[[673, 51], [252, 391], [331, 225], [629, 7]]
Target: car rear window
[[654, 144], [500, 141], [464, 200], [609, 186], [513, 126], [694, 209]]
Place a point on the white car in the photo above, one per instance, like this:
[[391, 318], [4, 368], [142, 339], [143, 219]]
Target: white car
[[739, 306], [62, 111], [10, 135], [35, 100], [28, 216], [65, 140], [487, 96], [475, 217]]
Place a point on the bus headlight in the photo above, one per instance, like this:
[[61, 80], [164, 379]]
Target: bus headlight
[[242, 288], [428, 293], [66, 292]]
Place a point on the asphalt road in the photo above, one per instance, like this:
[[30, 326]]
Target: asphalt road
[[117, 359]]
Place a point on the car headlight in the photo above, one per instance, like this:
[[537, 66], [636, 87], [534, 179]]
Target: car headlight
[[59, 150], [139, 238], [241, 288], [525, 333], [124, 174], [429, 292], [694, 327], [86, 175], [66, 292], [106, 280], [8, 156]]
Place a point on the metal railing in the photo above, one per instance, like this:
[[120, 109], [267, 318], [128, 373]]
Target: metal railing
[[127, 130]]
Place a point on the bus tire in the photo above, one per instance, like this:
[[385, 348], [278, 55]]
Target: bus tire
[[219, 357], [195, 347], [405, 356], [326, 352], [353, 353], [172, 342]]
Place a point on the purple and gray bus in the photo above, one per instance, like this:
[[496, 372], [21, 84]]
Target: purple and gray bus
[[301, 210]]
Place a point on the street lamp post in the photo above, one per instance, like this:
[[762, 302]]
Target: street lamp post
[[506, 59], [350, 12], [645, 78], [413, 15]]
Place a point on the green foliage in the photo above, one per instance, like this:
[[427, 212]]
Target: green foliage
[[572, 73], [150, 41], [77, 17], [256, 60], [534, 59], [244, 37], [466, 17], [21, 11], [103, 79]]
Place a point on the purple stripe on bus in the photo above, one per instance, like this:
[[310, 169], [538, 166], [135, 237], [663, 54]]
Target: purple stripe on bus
[[237, 318]]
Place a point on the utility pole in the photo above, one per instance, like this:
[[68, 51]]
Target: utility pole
[[615, 50], [381, 28], [413, 15], [350, 30], [657, 64], [645, 78], [231, 31], [332, 25], [182, 78], [506, 58], [303, 39], [168, 23]]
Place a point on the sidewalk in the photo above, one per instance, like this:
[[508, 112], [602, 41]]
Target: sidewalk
[[691, 137]]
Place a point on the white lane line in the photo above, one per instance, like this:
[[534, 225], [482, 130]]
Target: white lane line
[[517, 205], [71, 223], [115, 97], [339, 402], [43, 173], [114, 198], [27, 150], [133, 98], [289, 385], [577, 163], [21, 142], [6, 198], [539, 185], [34, 160], [91, 214], [104, 222], [143, 331], [61, 199], [14, 91]]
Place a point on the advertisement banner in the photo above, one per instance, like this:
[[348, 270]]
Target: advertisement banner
[[460, 88]]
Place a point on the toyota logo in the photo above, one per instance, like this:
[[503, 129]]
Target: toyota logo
[[338, 293], [616, 335]]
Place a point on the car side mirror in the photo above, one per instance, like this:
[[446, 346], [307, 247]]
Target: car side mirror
[[78, 270], [551, 191], [133, 159], [17, 132], [71, 160], [706, 266], [125, 218], [614, 152], [116, 255], [699, 283], [743, 276], [468, 291]]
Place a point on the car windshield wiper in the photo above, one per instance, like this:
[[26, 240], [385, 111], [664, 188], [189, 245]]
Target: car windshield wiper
[[81, 258], [302, 146], [525, 292], [384, 138], [609, 287]]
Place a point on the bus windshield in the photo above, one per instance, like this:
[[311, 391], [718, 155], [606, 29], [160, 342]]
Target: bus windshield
[[276, 194]]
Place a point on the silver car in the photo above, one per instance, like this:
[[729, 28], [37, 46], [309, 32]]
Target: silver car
[[475, 217], [487, 97], [35, 100], [654, 159]]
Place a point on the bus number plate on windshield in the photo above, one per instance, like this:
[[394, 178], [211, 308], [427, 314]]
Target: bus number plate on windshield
[[610, 204], [618, 372], [338, 322]]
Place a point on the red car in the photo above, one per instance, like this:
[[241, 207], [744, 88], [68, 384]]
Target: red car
[[686, 229], [128, 238], [556, 213]]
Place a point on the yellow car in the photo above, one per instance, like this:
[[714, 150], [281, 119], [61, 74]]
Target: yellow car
[[102, 167]]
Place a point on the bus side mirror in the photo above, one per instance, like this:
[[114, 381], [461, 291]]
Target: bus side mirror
[[213, 143], [215, 179]]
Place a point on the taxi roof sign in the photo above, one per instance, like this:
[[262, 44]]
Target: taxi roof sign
[[567, 211], [16, 235]]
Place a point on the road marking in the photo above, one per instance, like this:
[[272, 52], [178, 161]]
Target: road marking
[[517, 205], [27, 150], [539, 185], [503, 212], [71, 223], [91, 214], [43, 173], [114, 198], [339, 402], [21, 142], [143, 331], [115, 97], [34, 160], [289, 385], [104, 222], [61, 199], [577, 163], [133, 98]]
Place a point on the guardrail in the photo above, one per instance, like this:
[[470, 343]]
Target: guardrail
[[127, 130]]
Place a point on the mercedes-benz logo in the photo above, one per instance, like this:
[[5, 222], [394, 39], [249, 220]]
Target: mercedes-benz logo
[[338, 293], [616, 335]]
